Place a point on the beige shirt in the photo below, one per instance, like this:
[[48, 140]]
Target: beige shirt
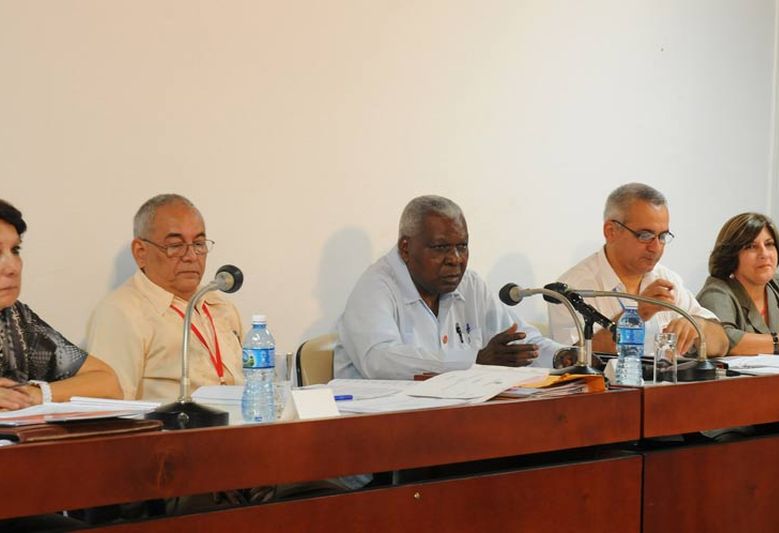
[[135, 330]]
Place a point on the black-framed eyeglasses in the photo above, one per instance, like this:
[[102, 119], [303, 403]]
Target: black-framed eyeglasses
[[647, 236], [179, 249]]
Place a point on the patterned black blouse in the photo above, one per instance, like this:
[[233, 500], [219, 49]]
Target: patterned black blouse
[[31, 349]]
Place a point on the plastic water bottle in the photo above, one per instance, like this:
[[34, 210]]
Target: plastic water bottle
[[630, 347], [259, 353]]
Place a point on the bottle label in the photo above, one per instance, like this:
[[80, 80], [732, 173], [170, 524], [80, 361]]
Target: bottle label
[[631, 336], [258, 357]]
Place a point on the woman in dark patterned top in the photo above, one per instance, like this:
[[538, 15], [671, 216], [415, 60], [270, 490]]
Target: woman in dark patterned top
[[37, 363]]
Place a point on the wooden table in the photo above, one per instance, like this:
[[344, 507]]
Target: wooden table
[[714, 487], [98, 471]]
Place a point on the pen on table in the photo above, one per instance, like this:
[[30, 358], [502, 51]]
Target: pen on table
[[343, 397]]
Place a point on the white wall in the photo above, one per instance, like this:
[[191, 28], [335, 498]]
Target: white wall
[[301, 129]]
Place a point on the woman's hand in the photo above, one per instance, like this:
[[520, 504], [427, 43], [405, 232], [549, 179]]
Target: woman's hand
[[12, 396]]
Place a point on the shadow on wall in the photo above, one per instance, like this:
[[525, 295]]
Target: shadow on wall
[[124, 267], [345, 256], [516, 268]]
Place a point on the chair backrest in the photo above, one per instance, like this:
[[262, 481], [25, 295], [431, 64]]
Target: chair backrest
[[314, 361]]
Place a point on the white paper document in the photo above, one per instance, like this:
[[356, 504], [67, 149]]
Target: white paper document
[[107, 404], [365, 389], [81, 405], [219, 394], [478, 383], [753, 364], [394, 403]]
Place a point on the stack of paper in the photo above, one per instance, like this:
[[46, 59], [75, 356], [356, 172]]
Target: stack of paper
[[477, 384], [79, 408], [553, 386], [758, 365], [219, 394]]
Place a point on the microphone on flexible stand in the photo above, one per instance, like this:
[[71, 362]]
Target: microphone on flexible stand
[[587, 311], [703, 369], [512, 294], [185, 413]]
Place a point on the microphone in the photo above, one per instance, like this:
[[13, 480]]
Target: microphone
[[229, 278], [557, 286], [185, 413], [587, 311], [703, 369], [512, 294]]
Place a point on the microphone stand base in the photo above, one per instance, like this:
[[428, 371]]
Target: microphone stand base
[[575, 369], [701, 371], [188, 414]]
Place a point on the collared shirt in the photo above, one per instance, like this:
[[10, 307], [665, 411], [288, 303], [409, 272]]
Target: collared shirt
[[388, 332], [135, 330], [595, 273], [736, 309]]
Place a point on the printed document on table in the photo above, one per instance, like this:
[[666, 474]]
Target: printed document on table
[[81, 409], [359, 389], [219, 394], [394, 403], [365, 389], [477, 384], [753, 364]]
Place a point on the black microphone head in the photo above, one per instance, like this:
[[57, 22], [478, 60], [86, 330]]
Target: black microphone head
[[558, 287], [506, 296], [229, 278]]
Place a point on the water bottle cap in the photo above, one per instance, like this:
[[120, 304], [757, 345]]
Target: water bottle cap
[[259, 319]]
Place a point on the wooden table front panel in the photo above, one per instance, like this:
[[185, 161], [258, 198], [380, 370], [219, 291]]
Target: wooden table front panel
[[101, 471], [599, 496], [689, 407], [729, 487]]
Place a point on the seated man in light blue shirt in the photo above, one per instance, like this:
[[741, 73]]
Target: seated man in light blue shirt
[[418, 309]]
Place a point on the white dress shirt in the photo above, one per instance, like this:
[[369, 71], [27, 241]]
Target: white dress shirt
[[595, 273], [388, 332]]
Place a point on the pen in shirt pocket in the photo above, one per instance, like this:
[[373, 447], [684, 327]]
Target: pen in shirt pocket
[[459, 331]]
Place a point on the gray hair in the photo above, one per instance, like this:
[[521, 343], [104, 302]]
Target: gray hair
[[144, 218], [620, 199], [413, 216]]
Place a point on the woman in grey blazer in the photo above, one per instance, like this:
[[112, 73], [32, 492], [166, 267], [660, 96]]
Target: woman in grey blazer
[[743, 290]]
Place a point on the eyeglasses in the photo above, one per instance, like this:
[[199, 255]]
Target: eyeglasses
[[180, 248], [648, 236]]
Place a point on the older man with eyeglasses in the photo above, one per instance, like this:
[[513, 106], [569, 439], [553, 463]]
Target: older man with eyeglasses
[[635, 225], [137, 328]]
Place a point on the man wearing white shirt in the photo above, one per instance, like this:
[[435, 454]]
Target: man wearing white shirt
[[418, 309], [635, 226]]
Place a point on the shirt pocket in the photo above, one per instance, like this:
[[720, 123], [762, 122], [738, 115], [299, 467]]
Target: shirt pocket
[[474, 338]]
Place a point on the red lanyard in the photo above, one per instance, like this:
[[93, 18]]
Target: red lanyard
[[216, 360]]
